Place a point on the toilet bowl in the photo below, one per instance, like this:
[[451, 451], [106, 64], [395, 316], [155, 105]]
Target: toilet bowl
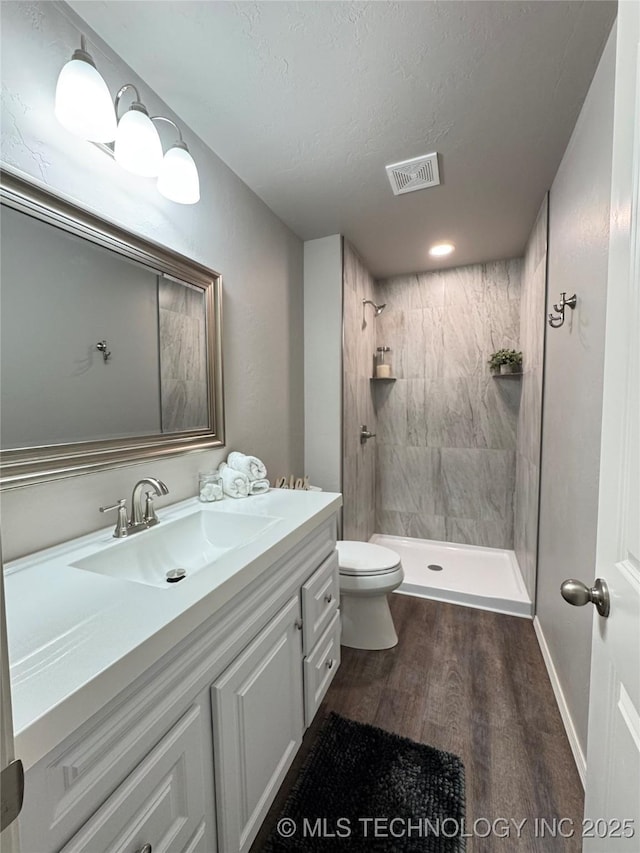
[[367, 573]]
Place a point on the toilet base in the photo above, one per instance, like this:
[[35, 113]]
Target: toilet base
[[367, 622]]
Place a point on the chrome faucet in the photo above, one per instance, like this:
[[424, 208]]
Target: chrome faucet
[[140, 519], [146, 517]]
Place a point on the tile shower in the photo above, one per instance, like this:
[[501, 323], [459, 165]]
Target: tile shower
[[456, 453]]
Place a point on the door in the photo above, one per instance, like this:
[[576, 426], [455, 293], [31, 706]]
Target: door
[[9, 835], [257, 703], [612, 794]]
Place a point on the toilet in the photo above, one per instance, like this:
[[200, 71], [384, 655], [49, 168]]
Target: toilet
[[367, 573]]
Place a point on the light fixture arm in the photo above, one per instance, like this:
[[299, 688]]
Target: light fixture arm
[[82, 52], [180, 143], [137, 103]]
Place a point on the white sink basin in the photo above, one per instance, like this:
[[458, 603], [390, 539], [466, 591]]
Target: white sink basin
[[191, 543]]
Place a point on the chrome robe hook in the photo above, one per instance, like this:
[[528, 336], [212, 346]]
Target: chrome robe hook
[[557, 320], [102, 347]]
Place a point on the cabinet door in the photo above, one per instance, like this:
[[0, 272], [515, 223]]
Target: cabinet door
[[257, 727], [161, 806]]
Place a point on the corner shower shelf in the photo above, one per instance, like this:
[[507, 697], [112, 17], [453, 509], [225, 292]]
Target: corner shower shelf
[[382, 378], [507, 375]]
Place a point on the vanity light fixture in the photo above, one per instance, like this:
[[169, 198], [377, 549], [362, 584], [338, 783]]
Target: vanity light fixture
[[137, 147], [84, 107], [178, 180], [83, 103], [439, 250]]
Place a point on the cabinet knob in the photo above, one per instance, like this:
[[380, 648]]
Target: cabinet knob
[[330, 663], [147, 848], [298, 624], [329, 598]]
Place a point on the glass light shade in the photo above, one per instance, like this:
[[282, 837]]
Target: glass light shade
[[178, 179], [137, 147], [83, 103]]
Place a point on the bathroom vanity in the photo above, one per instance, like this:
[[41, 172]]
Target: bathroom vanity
[[154, 716]]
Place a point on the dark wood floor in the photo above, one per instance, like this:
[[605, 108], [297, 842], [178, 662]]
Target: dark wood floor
[[473, 683]]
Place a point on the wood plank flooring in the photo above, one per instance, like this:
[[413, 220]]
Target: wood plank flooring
[[473, 683]]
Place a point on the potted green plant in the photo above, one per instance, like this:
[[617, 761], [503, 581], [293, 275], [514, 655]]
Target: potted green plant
[[506, 361]]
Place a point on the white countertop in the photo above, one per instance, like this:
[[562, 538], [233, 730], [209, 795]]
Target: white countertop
[[77, 638]]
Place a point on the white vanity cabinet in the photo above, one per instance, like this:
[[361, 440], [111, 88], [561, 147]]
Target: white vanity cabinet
[[320, 667], [258, 726], [265, 699], [321, 633], [188, 757], [161, 805]]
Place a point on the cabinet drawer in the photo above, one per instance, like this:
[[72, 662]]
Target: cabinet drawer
[[320, 668], [161, 803], [320, 599]]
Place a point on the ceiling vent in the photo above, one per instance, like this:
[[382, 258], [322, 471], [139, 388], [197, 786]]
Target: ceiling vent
[[416, 174]]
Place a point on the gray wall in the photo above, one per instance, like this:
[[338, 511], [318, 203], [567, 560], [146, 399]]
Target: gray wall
[[60, 296], [359, 460], [446, 427], [532, 326], [578, 247], [230, 230], [323, 361]]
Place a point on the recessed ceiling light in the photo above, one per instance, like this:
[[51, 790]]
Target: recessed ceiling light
[[438, 250]]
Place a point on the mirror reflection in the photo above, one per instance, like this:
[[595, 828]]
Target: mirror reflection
[[103, 338]]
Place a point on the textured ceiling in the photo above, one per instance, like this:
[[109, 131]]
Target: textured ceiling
[[307, 103]]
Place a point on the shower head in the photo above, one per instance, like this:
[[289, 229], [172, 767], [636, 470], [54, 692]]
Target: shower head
[[377, 308]]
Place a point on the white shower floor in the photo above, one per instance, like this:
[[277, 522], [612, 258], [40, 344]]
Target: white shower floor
[[486, 578]]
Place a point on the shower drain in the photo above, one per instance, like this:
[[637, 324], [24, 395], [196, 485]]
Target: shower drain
[[434, 567]]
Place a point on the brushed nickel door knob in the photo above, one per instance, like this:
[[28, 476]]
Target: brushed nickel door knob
[[579, 594]]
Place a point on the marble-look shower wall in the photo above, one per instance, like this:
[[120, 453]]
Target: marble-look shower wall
[[532, 320], [446, 429], [183, 356], [359, 460]]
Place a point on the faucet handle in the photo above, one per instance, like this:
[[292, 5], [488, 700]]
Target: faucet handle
[[150, 517], [122, 524]]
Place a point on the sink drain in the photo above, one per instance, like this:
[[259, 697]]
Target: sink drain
[[176, 575], [434, 567]]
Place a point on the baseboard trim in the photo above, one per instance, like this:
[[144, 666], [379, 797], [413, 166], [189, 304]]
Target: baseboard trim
[[578, 754]]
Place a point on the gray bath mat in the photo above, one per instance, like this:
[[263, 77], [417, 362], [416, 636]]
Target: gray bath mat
[[363, 789]]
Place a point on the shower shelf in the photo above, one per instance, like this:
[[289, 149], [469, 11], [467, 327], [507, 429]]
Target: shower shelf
[[382, 378], [507, 375]]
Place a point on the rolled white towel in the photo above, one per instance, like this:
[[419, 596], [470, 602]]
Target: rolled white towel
[[253, 467], [235, 484], [259, 486]]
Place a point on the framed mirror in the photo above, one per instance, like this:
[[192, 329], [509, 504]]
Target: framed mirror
[[110, 345]]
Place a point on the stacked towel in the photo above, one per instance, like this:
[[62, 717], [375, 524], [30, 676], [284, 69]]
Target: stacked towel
[[251, 466], [235, 484], [259, 486]]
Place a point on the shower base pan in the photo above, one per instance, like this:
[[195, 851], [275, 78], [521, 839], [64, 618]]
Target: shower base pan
[[486, 578]]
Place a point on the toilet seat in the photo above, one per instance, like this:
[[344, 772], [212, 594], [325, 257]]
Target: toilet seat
[[365, 558]]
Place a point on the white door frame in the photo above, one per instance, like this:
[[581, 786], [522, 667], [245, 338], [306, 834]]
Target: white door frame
[[9, 841]]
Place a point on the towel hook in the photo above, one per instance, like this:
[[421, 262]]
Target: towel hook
[[557, 320], [102, 346]]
